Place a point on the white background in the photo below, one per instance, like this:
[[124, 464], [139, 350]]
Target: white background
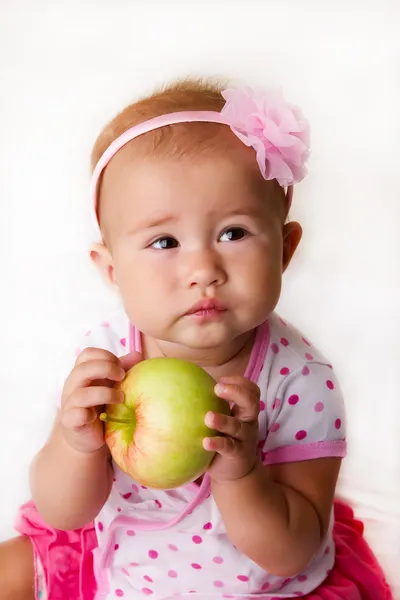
[[67, 67]]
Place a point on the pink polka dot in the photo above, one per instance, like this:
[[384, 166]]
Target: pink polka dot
[[261, 444], [242, 577], [282, 321], [148, 578], [127, 495], [116, 547], [265, 586], [158, 503], [329, 366], [147, 591], [123, 341], [173, 547], [196, 566], [119, 593], [133, 564], [105, 324], [284, 371], [130, 532], [293, 399], [118, 509], [302, 578], [298, 594], [262, 405], [100, 526], [207, 526], [114, 479], [197, 539], [327, 550], [153, 554], [309, 356], [307, 343], [135, 488], [275, 348], [300, 435], [125, 571], [172, 574], [286, 581], [275, 427], [276, 404], [338, 423], [88, 333], [218, 584], [143, 487], [284, 342], [329, 384], [218, 560], [319, 407], [305, 371]]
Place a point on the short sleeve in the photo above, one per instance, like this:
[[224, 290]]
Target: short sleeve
[[306, 418]]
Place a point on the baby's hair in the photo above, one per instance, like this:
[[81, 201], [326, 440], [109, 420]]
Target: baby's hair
[[178, 139]]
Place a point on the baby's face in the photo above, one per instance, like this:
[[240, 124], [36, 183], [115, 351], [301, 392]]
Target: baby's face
[[182, 230]]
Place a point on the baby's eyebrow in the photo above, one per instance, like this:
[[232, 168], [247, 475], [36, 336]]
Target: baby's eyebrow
[[156, 221]]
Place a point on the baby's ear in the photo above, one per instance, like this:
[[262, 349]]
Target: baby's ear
[[102, 259], [292, 233]]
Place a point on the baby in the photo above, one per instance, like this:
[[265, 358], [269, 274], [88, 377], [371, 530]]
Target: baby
[[191, 191]]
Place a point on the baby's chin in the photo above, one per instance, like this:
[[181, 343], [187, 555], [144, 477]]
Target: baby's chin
[[205, 338]]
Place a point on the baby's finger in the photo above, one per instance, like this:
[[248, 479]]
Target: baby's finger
[[93, 396], [225, 446], [86, 373], [77, 417], [95, 354], [230, 426], [129, 360], [246, 399]]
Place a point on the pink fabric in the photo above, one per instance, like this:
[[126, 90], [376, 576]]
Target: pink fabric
[[66, 556], [68, 564], [277, 131], [306, 452]]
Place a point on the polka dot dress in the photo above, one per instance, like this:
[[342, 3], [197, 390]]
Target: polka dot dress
[[173, 542]]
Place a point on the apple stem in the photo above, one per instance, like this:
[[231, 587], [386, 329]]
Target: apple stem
[[107, 419]]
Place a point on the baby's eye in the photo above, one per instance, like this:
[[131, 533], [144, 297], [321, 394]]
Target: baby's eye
[[165, 243], [233, 234]]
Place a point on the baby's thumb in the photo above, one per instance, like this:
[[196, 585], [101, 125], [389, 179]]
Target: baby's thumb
[[130, 359]]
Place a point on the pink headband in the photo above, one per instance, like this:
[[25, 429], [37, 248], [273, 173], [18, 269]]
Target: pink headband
[[278, 133]]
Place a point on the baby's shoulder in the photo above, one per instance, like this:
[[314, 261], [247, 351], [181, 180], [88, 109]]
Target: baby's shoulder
[[111, 333], [288, 348]]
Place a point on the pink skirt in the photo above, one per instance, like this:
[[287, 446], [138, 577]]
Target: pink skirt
[[67, 561]]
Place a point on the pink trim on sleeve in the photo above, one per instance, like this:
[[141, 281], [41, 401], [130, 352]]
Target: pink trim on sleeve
[[302, 452]]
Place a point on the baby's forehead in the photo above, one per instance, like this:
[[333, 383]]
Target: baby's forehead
[[212, 181]]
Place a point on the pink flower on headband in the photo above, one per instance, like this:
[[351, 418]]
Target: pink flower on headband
[[279, 133]]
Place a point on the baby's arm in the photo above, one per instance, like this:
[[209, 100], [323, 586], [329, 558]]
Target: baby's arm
[[71, 477], [279, 515], [69, 487]]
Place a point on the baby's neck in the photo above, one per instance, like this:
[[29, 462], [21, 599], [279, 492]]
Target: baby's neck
[[219, 362]]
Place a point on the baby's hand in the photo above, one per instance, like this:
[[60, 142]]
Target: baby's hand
[[237, 447], [89, 386]]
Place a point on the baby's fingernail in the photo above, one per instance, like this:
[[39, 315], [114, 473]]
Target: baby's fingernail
[[121, 373], [220, 389], [209, 418]]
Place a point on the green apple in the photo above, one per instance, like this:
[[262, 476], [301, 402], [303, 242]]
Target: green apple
[[156, 435]]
